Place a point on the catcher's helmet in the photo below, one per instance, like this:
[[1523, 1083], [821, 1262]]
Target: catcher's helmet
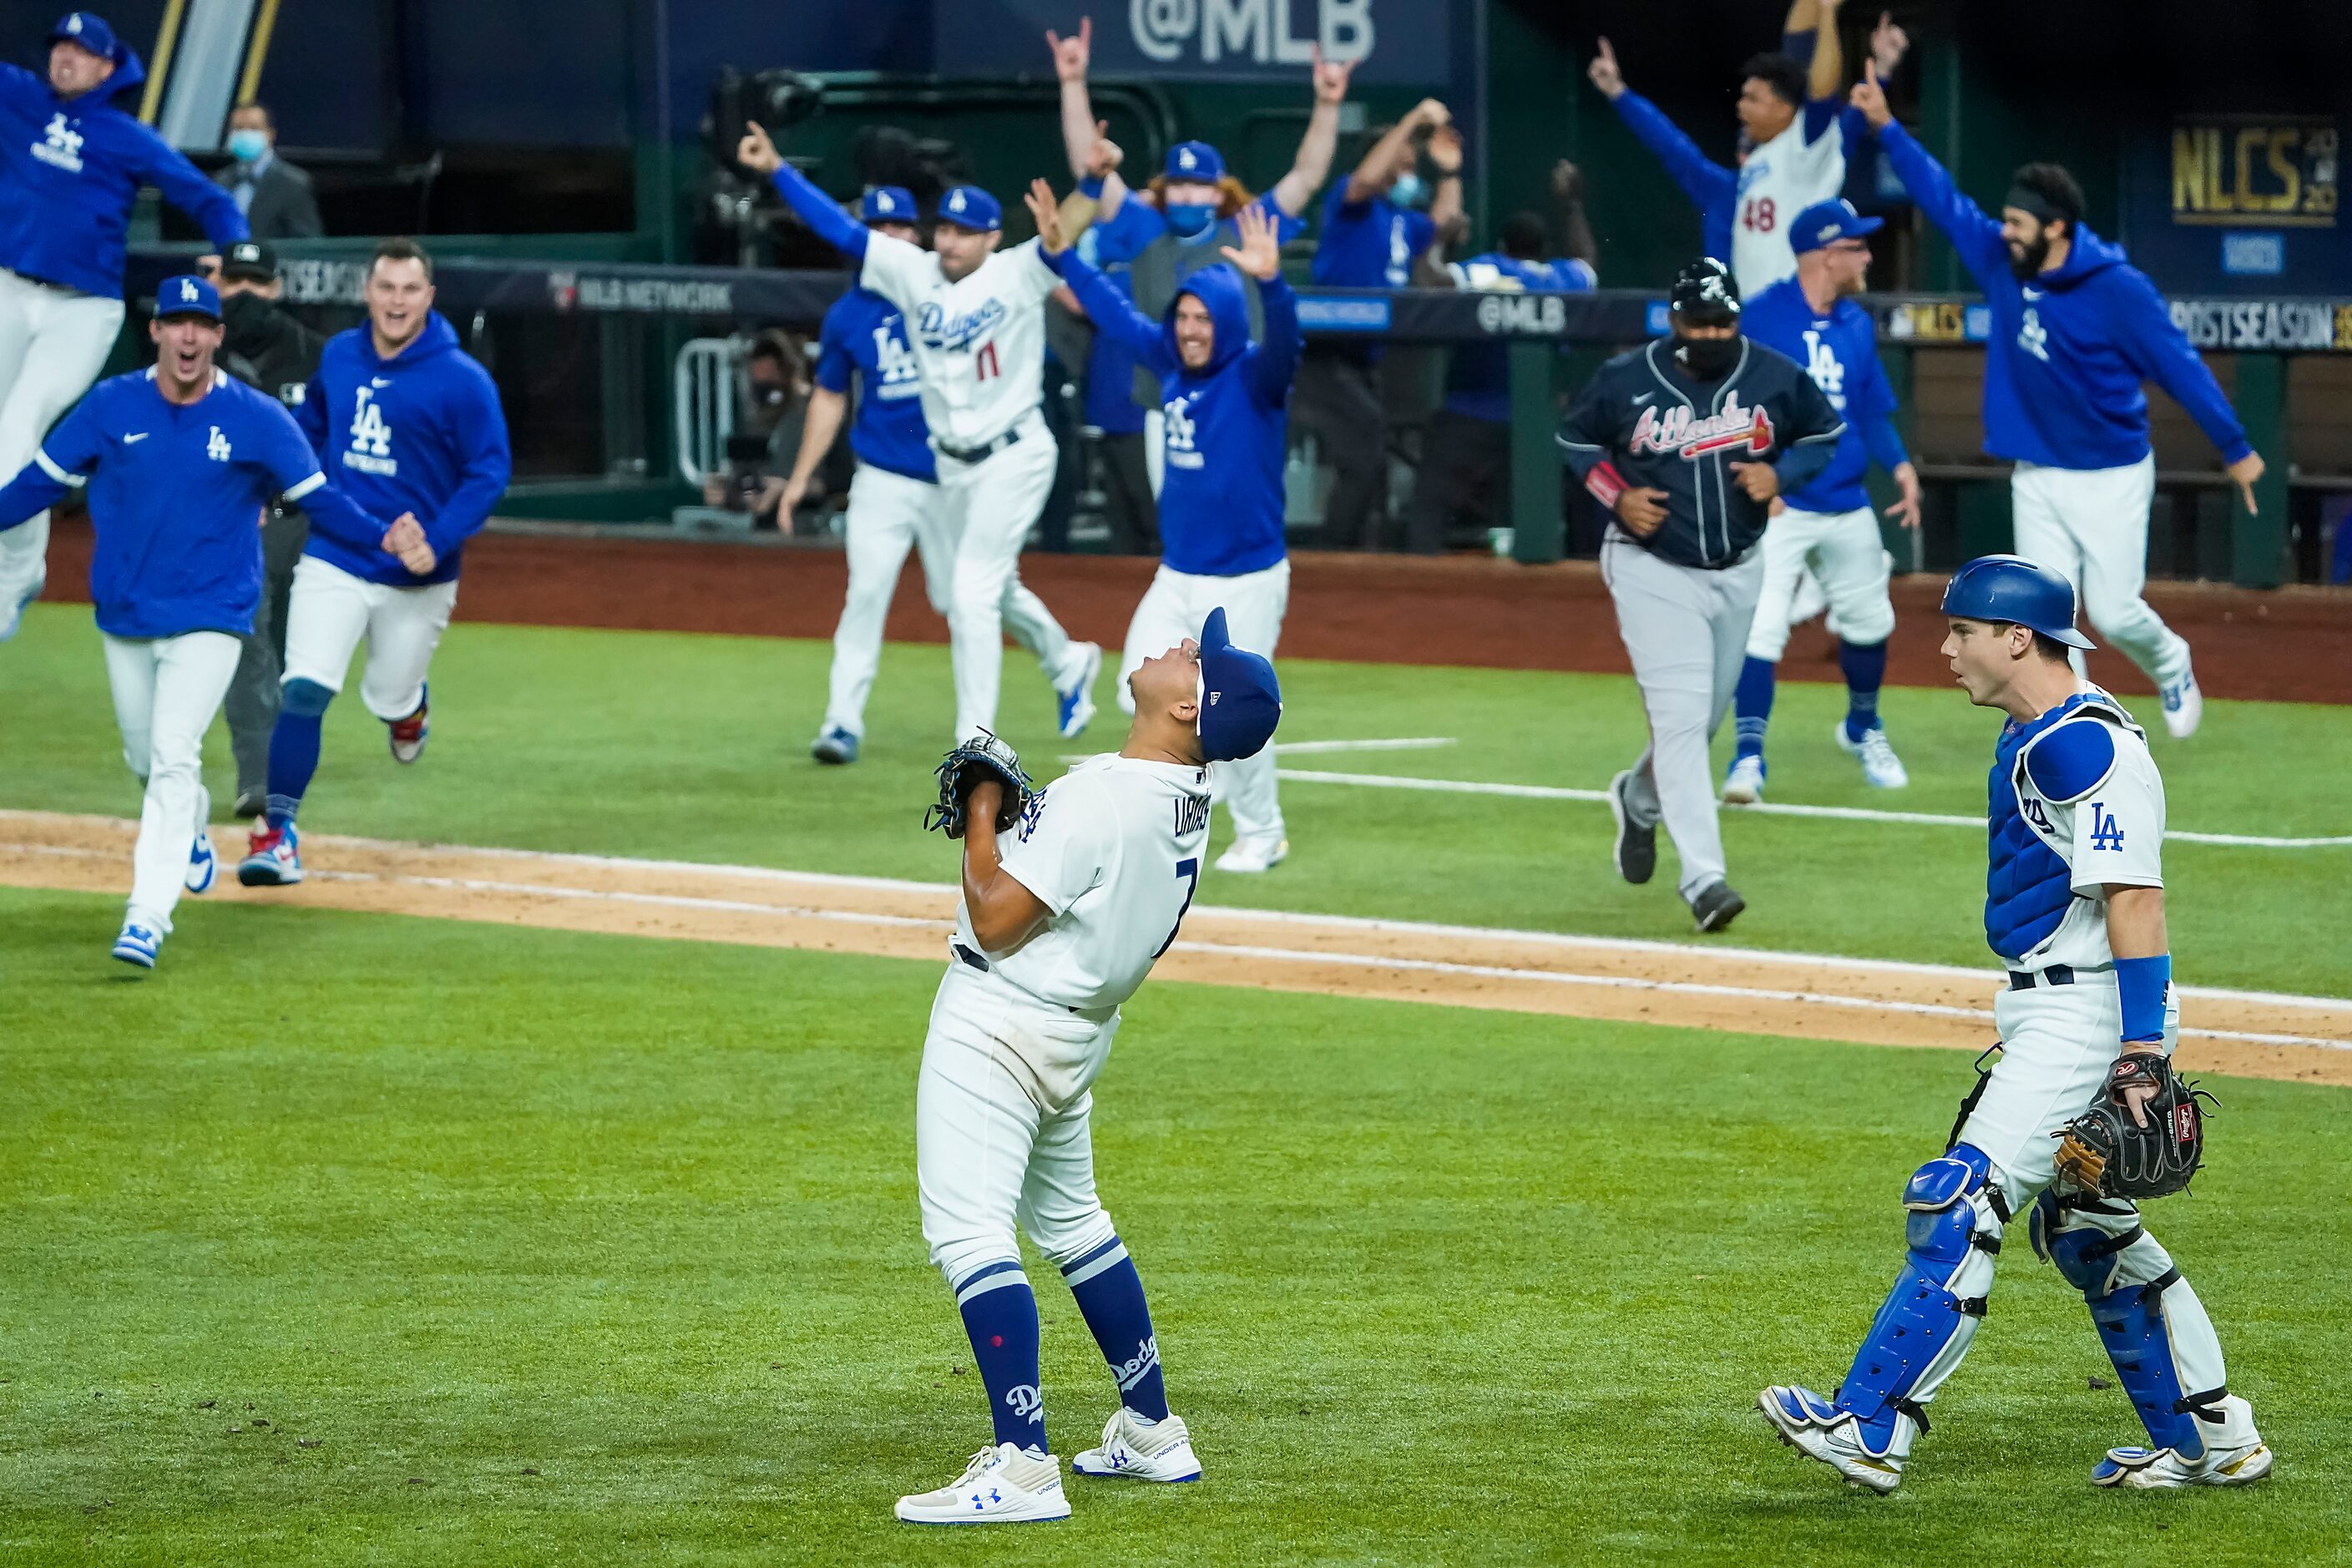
[[1705, 293], [2024, 592]]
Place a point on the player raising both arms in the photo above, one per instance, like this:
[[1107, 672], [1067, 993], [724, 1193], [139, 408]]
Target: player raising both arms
[[976, 319]]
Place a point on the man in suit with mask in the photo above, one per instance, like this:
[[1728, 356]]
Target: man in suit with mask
[[274, 195]]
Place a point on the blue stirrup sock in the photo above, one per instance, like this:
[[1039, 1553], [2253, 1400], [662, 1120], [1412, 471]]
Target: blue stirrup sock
[[1110, 1297], [1000, 1316], [1865, 672], [294, 746], [1751, 705]]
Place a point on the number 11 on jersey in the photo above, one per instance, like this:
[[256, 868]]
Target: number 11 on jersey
[[985, 361]]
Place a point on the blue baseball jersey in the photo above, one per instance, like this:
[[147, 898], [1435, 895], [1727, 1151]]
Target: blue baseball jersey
[[1371, 244], [421, 432], [864, 335], [1839, 351], [176, 494], [1479, 375], [1110, 246]]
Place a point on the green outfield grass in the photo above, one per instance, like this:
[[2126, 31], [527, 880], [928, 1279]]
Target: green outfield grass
[[695, 747], [574, 1248]]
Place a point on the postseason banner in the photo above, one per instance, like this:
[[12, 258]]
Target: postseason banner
[[2239, 204], [1393, 42]]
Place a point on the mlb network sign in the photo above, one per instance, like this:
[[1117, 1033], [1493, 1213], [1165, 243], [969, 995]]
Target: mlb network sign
[[1394, 41]]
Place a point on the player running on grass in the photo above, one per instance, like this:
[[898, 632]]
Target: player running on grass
[[976, 319], [1070, 895]]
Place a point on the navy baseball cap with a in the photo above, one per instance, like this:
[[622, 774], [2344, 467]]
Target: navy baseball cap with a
[[1195, 161], [1824, 223], [2012, 589], [186, 296], [1241, 702], [968, 207], [887, 204], [87, 28]]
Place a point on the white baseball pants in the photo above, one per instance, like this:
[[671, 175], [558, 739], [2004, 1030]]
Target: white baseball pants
[[328, 611], [1002, 1136], [2090, 525], [166, 690], [1844, 552], [991, 507], [1173, 609], [1685, 629], [53, 343]]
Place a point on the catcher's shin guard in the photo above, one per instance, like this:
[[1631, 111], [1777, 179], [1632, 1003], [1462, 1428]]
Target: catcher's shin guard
[[1920, 1334], [2166, 1354]]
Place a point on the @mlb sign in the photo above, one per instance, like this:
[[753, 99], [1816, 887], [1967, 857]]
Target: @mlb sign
[[1259, 31]]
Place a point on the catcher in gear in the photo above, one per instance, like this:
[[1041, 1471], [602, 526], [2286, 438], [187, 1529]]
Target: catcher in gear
[[2082, 1115]]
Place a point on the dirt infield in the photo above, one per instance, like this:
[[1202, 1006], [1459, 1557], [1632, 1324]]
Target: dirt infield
[[2290, 645], [1792, 995]]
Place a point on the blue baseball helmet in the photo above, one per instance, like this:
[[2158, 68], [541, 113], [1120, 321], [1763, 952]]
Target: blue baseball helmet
[[1241, 702], [2024, 592]]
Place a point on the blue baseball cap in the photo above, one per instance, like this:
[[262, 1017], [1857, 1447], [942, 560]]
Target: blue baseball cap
[[1195, 161], [2021, 592], [1824, 222], [1241, 702], [968, 207], [87, 28], [186, 295], [887, 204]]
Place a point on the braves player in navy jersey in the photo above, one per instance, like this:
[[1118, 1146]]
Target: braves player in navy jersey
[[2076, 330], [1220, 511], [72, 159], [180, 464], [1687, 442], [406, 421], [1827, 528]]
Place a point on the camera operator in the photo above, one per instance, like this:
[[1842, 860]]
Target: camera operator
[[264, 346], [771, 412]]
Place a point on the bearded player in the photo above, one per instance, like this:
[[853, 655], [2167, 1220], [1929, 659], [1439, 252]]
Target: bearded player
[[1068, 899]]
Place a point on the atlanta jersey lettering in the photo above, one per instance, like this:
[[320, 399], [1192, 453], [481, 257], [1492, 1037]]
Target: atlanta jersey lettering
[[979, 342]]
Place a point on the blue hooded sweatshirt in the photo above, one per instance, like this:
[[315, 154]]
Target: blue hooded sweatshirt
[[421, 432], [1220, 503], [70, 169], [2069, 349]]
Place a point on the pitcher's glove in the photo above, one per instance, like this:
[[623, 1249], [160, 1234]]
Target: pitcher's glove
[[982, 757], [2105, 1153]]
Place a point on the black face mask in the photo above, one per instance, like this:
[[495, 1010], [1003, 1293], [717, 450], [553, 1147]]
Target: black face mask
[[2029, 264], [1707, 358], [248, 319]]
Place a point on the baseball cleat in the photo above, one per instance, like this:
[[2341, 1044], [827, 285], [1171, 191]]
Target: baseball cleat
[[137, 944], [1637, 846], [1744, 785], [1716, 906], [203, 864], [834, 747], [2235, 1456], [251, 803], [409, 734], [1819, 1430], [1881, 768], [272, 860], [2184, 706], [11, 617], [1253, 855], [1003, 1485], [1142, 1450], [1076, 700]]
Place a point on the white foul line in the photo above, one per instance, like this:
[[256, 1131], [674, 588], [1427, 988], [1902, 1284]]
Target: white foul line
[[1765, 808]]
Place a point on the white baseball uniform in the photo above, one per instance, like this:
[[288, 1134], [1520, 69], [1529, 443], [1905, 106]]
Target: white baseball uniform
[[2091, 526], [1780, 180], [53, 343], [1173, 609], [1113, 849], [330, 610]]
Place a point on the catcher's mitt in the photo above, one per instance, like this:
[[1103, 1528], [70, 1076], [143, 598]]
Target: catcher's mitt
[[2104, 1152], [982, 757]]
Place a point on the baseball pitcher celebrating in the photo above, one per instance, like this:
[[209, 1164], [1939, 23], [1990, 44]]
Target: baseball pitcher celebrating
[[72, 163], [1686, 442], [2075, 332], [1223, 399], [181, 464], [2082, 1115], [977, 316], [1070, 897]]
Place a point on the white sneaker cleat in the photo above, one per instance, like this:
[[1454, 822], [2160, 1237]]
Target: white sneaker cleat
[[1744, 785], [2184, 706], [1074, 699], [1253, 855], [2234, 1457], [1142, 1450], [1819, 1430], [138, 943], [1881, 768], [1003, 1485], [203, 864]]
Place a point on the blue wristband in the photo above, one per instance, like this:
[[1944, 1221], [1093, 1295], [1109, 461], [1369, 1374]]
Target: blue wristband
[[1091, 188], [2143, 984]]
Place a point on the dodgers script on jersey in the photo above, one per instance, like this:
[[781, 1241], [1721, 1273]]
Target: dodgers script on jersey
[[979, 341], [1113, 849], [1780, 179], [2100, 813]]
